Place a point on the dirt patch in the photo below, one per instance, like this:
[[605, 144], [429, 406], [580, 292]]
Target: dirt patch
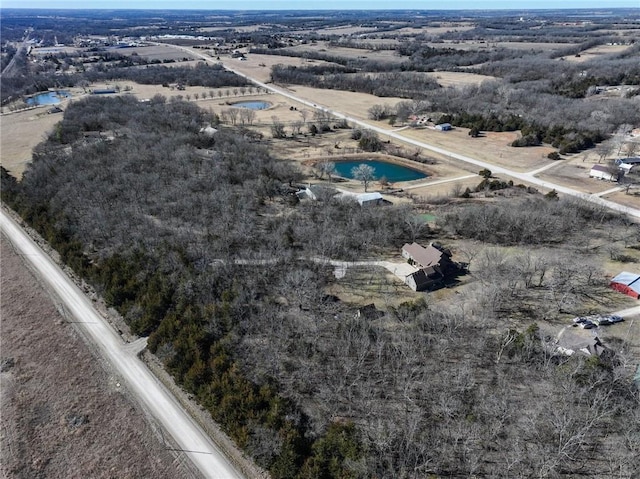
[[63, 415]]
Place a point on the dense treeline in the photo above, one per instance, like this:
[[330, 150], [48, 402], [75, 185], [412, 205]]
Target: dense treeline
[[567, 140], [199, 243], [203, 74], [533, 221], [156, 223], [401, 84]]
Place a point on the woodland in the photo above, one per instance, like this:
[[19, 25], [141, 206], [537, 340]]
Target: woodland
[[201, 244]]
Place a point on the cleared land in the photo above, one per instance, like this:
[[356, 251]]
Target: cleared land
[[20, 133], [65, 416], [596, 53]]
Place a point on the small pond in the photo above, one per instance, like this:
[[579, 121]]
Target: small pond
[[390, 171], [47, 98], [252, 105]]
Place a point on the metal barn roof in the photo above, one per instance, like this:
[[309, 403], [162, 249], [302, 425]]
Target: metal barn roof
[[632, 280]]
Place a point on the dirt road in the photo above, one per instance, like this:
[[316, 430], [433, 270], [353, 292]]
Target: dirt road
[[150, 393]]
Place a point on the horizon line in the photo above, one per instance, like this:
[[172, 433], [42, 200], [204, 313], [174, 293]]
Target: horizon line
[[321, 9]]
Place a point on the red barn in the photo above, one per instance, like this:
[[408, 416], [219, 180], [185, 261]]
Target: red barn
[[627, 283]]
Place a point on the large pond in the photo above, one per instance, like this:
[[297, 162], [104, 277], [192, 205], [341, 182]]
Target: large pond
[[390, 171], [47, 98], [252, 105]]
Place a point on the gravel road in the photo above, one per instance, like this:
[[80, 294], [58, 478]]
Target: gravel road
[[150, 393]]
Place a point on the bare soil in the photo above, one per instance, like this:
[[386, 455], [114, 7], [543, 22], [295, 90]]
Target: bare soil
[[63, 414]]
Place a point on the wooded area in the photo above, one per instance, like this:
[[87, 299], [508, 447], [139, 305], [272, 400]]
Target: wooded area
[[200, 242]]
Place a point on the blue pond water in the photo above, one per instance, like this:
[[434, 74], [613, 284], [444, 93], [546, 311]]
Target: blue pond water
[[390, 171], [48, 98], [252, 105]]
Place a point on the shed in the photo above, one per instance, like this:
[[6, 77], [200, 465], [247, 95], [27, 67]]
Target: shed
[[627, 283], [104, 91], [601, 172], [370, 199], [627, 164], [444, 126]]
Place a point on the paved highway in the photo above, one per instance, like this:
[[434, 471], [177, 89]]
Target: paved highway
[[526, 177], [152, 395]]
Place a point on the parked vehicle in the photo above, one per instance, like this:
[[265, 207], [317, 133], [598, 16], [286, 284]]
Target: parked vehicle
[[587, 325]]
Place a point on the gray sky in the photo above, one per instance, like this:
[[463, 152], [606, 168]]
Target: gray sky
[[325, 4]]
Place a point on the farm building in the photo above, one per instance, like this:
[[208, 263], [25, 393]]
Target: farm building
[[627, 164], [444, 127], [601, 172], [371, 199], [627, 283], [316, 193], [104, 91]]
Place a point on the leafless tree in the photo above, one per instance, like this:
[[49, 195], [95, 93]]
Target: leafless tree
[[364, 173]]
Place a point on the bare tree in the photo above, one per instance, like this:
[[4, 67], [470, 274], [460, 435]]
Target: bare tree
[[631, 148], [277, 128], [247, 116], [326, 167], [297, 127], [365, 174], [231, 114]]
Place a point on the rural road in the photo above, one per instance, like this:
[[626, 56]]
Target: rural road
[[396, 135], [145, 387]]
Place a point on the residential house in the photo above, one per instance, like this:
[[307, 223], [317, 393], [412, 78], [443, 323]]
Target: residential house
[[434, 265]]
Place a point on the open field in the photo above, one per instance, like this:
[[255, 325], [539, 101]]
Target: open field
[[387, 56], [20, 133], [63, 415], [457, 79], [445, 28], [339, 30], [596, 53], [471, 45], [491, 146], [155, 52]]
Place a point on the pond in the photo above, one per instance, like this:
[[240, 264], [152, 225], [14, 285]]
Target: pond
[[390, 171], [252, 105], [47, 98]]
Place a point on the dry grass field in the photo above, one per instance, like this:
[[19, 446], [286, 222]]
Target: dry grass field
[[595, 53], [20, 133], [493, 147], [65, 416], [487, 45], [444, 28], [340, 30], [156, 52], [387, 56], [458, 79]]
